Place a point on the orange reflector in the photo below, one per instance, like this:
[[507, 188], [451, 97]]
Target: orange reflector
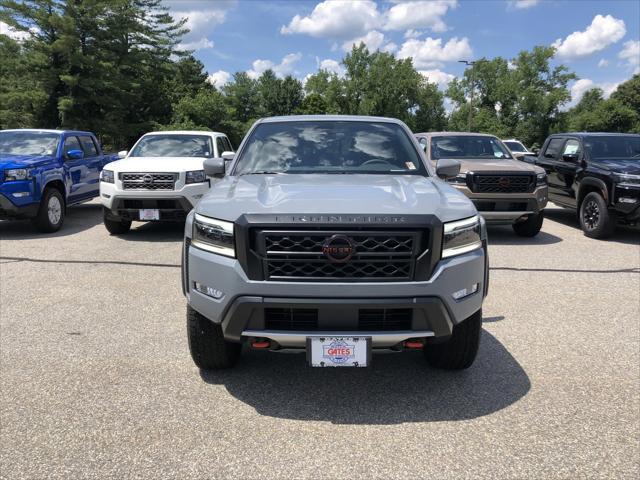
[[260, 344], [413, 344]]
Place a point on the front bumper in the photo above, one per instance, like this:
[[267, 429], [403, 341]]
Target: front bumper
[[626, 201], [497, 208], [12, 207], [242, 304]]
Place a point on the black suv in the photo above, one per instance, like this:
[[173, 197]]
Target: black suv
[[597, 174]]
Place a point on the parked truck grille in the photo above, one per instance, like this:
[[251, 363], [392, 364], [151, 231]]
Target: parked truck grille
[[480, 183], [306, 255], [148, 181]]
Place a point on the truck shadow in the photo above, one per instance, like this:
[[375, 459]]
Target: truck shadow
[[504, 235], [78, 219], [565, 216], [155, 232], [396, 388]]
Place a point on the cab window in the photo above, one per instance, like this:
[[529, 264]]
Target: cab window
[[219, 145], [553, 148], [572, 147], [88, 146], [227, 145], [71, 143]]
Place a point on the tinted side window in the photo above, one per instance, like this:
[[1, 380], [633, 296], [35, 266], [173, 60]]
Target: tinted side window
[[571, 147], [227, 144], [219, 145], [71, 143], [89, 147], [555, 144]]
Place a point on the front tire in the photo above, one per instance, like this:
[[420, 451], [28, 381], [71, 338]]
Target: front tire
[[531, 226], [461, 349], [208, 347], [51, 212], [115, 227], [595, 218]]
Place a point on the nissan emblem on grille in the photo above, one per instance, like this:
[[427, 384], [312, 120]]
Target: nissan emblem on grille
[[504, 182], [338, 248], [147, 179]]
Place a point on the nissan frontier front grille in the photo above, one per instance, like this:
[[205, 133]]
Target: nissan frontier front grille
[[148, 181], [339, 255], [483, 183]]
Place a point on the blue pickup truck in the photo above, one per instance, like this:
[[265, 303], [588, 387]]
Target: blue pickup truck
[[44, 171]]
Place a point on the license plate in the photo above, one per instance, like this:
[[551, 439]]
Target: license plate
[[339, 351], [149, 214]]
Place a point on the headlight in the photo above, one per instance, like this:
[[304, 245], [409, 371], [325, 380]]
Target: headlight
[[213, 235], [106, 176], [541, 179], [461, 236], [627, 178], [16, 174], [460, 179], [195, 176]]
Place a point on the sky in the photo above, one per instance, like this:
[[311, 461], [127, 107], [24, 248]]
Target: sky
[[598, 40]]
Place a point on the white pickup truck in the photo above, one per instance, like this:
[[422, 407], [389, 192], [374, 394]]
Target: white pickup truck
[[161, 178]]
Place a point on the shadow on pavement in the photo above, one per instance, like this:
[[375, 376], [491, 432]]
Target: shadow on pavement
[[623, 233], [396, 388], [504, 235], [79, 218], [154, 232]]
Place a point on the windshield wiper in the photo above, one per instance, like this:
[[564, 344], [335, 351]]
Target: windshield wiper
[[263, 172]]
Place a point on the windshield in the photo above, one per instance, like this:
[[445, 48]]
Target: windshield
[[515, 146], [28, 143], [329, 147], [613, 147], [468, 147], [172, 145]]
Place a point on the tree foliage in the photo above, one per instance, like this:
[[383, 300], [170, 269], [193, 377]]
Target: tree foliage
[[114, 67]]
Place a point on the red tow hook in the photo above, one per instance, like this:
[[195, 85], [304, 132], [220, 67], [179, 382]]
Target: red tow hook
[[260, 343], [416, 344]]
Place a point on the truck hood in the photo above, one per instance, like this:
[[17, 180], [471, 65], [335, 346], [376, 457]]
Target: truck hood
[[311, 194], [157, 164], [619, 165], [24, 161], [498, 165]]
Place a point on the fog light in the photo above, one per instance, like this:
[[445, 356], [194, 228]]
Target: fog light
[[465, 292], [627, 200], [208, 291]]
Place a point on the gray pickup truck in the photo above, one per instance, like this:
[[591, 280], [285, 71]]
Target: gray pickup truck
[[332, 234]]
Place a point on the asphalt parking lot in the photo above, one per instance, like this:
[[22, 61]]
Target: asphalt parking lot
[[96, 378]]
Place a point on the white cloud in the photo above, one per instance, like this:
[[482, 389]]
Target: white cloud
[[219, 78], [332, 66], [431, 53], [603, 63], [419, 14], [522, 4], [202, 17], [631, 54], [337, 19], [582, 86], [603, 31], [17, 35], [343, 19], [438, 77], [411, 33], [282, 69], [373, 40]]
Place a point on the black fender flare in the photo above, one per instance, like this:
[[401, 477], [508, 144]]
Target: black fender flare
[[593, 182]]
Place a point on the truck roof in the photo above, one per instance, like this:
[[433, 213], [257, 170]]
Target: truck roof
[[47, 130], [329, 118], [184, 132], [594, 134], [472, 134]]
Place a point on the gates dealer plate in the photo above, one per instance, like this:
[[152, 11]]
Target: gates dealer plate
[[149, 214], [338, 351]]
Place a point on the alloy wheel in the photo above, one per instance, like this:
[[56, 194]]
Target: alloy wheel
[[591, 215], [54, 210]]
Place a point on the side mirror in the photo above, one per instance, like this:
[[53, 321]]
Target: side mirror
[[570, 157], [447, 168], [214, 167], [228, 155], [536, 151], [74, 154], [123, 153]]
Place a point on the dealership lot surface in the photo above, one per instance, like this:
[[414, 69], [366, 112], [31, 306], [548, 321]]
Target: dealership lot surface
[[96, 378]]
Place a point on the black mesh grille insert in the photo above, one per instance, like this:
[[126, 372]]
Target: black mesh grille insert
[[502, 183], [385, 319], [377, 255], [148, 181], [291, 318]]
